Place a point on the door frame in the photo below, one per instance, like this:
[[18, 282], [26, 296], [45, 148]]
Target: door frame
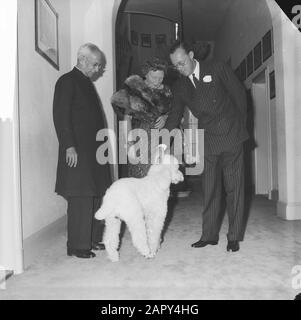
[[269, 133]]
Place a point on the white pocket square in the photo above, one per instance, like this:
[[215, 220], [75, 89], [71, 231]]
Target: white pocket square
[[207, 78]]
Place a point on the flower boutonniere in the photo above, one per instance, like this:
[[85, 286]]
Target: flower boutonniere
[[207, 78]]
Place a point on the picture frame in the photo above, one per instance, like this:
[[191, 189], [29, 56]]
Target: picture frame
[[160, 39], [237, 72], [146, 40], [272, 84], [134, 37], [250, 63], [243, 70], [267, 45], [257, 56], [46, 32]]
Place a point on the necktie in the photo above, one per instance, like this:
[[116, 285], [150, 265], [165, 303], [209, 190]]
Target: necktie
[[195, 80]]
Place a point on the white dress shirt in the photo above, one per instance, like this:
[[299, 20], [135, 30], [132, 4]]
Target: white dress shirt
[[196, 72]]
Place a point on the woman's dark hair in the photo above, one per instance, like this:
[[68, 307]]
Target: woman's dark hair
[[154, 64]]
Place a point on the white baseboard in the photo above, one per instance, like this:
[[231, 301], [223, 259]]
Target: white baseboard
[[4, 275], [34, 245], [289, 211]]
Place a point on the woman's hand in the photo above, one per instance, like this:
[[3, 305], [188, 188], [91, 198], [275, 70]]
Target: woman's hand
[[160, 122]]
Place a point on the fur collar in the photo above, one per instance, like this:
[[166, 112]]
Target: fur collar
[[138, 100], [137, 86]]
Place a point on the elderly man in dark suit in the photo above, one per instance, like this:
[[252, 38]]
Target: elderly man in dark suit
[[217, 98], [81, 180]]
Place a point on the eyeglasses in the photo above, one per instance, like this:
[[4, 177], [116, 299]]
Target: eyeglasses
[[99, 66], [180, 64]]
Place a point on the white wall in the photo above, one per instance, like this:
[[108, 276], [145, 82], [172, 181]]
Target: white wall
[[11, 256], [244, 26], [39, 146], [94, 21], [288, 68], [254, 19], [79, 22]]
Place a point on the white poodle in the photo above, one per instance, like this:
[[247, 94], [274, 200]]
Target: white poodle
[[142, 204]]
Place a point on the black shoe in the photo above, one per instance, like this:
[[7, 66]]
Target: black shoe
[[85, 254], [233, 245], [298, 296], [201, 244], [98, 246]]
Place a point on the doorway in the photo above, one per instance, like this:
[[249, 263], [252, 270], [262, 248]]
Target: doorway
[[262, 134], [139, 36]]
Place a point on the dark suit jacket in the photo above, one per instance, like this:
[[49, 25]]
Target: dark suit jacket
[[78, 115], [219, 105]]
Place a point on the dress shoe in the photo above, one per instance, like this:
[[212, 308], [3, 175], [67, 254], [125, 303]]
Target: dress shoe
[[98, 246], [85, 254], [200, 243], [233, 245]]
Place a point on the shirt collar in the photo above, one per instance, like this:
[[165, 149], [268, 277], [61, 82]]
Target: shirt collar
[[75, 67], [196, 72]]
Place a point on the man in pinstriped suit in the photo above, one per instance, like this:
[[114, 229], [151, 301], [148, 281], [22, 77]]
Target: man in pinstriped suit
[[217, 98]]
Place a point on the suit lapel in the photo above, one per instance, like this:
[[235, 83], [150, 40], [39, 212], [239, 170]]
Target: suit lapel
[[189, 87], [202, 71]]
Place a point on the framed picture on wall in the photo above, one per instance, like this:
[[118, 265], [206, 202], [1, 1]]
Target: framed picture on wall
[[160, 39], [249, 63], [243, 70], [134, 38], [272, 84], [237, 72], [46, 32], [146, 40], [257, 56], [267, 45]]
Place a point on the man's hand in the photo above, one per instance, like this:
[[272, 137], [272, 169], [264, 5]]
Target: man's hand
[[160, 122], [71, 157]]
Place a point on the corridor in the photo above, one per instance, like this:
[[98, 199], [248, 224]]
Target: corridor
[[262, 269], [251, 37]]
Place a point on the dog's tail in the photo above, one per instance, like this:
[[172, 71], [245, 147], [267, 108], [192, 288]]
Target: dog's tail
[[104, 210]]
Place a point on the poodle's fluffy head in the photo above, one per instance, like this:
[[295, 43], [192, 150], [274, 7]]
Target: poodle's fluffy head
[[172, 164], [166, 167]]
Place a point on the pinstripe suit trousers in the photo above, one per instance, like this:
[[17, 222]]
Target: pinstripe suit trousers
[[227, 166]]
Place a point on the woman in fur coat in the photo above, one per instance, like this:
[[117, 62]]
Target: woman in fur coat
[[147, 101]]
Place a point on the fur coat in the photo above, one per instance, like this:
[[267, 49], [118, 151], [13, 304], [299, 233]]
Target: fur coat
[[141, 102]]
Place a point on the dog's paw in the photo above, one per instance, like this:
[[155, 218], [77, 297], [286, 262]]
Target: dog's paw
[[150, 256], [114, 259], [114, 256]]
